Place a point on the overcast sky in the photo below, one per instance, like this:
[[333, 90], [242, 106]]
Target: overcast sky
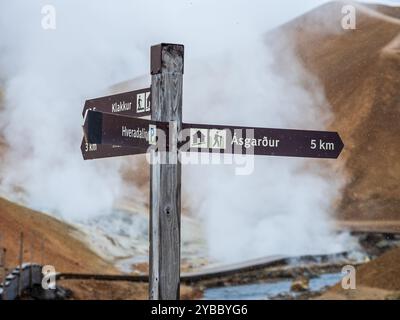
[[284, 10]]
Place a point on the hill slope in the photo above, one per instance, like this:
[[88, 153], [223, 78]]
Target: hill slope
[[61, 247], [64, 251], [378, 279], [360, 72]]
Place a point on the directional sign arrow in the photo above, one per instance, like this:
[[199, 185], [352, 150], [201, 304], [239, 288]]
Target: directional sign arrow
[[110, 129], [133, 103], [261, 141]]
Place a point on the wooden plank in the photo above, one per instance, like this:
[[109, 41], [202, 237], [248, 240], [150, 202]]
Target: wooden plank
[[165, 187], [109, 129], [21, 259], [132, 103], [3, 294], [260, 141], [219, 271]]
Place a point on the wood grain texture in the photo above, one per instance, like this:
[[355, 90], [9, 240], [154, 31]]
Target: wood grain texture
[[165, 185]]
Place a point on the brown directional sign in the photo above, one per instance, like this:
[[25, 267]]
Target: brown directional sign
[[133, 103], [110, 129], [261, 141]]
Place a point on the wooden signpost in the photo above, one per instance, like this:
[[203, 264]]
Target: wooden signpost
[[114, 131]]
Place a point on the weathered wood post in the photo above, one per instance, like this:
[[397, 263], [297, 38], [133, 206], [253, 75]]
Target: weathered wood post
[[2, 252], [21, 259], [167, 62], [2, 265], [31, 261], [3, 261], [42, 252]]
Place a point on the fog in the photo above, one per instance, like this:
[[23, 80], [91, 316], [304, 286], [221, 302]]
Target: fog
[[284, 207]]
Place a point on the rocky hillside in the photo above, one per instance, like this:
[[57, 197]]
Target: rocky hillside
[[360, 73]]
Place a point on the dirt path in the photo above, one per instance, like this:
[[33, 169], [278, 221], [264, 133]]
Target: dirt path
[[371, 225], [374, 13]]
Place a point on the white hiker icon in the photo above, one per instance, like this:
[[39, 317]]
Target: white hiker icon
[[217, 140], [140, 102]]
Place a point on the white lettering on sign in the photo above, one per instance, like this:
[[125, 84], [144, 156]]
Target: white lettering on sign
[[89, 147], [322, 145], [121, 106], [139, 133], [252, 142]]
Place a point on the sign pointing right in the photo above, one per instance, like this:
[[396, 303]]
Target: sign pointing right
[[261, 141]]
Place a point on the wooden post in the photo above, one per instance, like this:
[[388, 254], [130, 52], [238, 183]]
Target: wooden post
[[165, 184], [3, 250], [31, 262], [2, 265], [4, 273], [21, 258], [42, 252]]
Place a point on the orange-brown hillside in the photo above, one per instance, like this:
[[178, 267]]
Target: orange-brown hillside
[[60, 247], [360, 73], [62, 250], [378, 279]]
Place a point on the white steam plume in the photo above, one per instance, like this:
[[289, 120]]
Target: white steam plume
[[47, 75]]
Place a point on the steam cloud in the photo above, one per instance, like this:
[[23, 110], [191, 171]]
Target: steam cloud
[[230, 77]]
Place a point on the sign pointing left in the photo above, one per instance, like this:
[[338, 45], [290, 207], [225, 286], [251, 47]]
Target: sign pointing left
[[133, 103], [109, 129]]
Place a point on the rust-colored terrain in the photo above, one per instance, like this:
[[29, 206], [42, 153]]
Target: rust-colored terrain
[[360, 73]]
